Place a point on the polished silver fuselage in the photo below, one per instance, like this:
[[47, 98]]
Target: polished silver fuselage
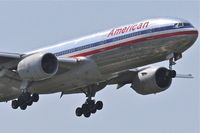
[[122, 58], [147, 49]]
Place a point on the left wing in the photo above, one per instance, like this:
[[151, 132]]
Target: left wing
[[10, 79], [9, 60]]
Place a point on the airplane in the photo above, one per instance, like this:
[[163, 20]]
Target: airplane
[[87, 65]]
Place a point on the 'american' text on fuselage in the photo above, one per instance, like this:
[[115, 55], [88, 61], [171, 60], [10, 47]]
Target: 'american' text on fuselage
[[128, 28]]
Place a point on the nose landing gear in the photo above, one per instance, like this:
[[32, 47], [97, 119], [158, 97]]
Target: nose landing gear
[[175, 57], [172, 73]]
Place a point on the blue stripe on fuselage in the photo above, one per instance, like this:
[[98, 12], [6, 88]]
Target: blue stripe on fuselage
[[72, 50]]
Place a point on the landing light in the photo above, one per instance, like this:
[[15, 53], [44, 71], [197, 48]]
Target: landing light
[[177, 56]]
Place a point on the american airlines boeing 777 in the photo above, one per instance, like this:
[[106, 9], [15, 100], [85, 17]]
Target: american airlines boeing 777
[[88, 64]]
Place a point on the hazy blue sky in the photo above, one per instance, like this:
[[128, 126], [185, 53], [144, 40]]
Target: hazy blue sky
[[30, 25]]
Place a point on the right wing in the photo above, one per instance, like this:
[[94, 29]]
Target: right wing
[[123, 78]]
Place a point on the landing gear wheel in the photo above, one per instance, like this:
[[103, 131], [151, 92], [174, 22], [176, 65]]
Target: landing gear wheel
[[24, 100], [87, 114], [85, 107], [35, 97], [26, 96], [92, 106], [30, 102], [93, 109], [15, 104], [20, 100], [172, 73], [23, 106], [79, 111], [99, 105]]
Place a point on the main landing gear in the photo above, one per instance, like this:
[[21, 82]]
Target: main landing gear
[[90, 106], [24, 100]]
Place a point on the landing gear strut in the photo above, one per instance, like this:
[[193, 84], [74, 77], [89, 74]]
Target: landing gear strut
[[24, 100], [90, 106], [171, 63], [172, 73], [174, 57]]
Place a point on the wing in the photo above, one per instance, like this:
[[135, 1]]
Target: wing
[[9, 60], [120, 79], [10, 82], [6, 57], [125, 77]]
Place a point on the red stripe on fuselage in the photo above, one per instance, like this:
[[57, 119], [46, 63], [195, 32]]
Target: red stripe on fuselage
[[134, 41]]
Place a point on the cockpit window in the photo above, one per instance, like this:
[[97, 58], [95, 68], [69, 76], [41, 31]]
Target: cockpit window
[[187, 24], [178, 25]]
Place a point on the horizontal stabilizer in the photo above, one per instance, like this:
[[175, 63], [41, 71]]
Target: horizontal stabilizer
[[184, 76]]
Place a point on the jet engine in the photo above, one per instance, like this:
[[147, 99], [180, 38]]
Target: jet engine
[[38, 66], [153, 80]]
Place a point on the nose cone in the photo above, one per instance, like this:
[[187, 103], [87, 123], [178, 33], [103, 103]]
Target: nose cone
[[190, 38], [195, 34], [195, 31], [192, 31]]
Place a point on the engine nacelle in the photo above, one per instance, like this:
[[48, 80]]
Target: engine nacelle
[[153, 80], [38, 66]]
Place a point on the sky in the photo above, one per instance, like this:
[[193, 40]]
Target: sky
[[26, 26]]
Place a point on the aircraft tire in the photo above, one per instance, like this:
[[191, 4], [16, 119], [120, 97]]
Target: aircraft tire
[[35, 97], [87, 114], [85, 107], [30, 102], [79, 111], [172, 73], [99, 105], [93, 109], [23, 106], [15, 104]]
